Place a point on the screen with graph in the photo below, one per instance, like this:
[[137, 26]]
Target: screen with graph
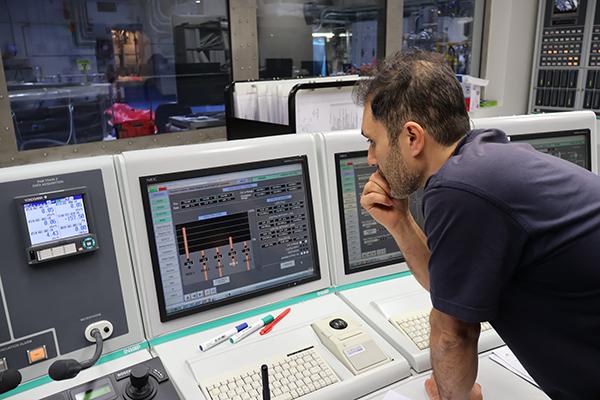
[[225, 234], [574, 146], [366, 244]]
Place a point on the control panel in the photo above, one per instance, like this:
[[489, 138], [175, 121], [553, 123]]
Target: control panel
[[566, 70], [144, 381], [560, 54], [591, 98], [66, 266]]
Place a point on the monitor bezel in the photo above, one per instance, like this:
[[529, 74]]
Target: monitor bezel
[[147, 180], [347, 269], [585, 132]]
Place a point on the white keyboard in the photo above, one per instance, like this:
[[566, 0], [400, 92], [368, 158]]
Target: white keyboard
[[291, 376], [416, 327]]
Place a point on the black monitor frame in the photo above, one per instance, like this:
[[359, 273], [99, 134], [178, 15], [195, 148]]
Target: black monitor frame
[[559, 134], [338, 177], [146, 181]]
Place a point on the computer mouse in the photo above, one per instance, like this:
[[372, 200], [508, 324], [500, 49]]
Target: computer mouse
[[338, 323]]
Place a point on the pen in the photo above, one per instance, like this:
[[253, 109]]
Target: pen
[[268, 328], [222, 337], [256, 325]]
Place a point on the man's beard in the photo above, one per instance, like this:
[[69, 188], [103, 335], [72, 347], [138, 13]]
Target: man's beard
[[403, 182]]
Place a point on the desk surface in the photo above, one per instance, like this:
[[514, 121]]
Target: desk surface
[[497, 383]]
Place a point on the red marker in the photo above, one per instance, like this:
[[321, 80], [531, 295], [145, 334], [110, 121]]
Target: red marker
[[268, 328]]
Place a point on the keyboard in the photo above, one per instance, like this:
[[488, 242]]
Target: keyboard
[[290, 377], [416, 327]]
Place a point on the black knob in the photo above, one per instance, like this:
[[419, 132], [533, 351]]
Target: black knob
[[140, 387], [139, 377]]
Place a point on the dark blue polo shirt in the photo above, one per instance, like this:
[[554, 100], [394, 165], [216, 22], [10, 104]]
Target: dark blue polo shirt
[[514, 236]]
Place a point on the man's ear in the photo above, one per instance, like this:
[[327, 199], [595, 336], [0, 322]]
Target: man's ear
[[415, 135]]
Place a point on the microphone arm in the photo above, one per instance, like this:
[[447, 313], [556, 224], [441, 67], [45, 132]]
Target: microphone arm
[[69, 368], [99, 345]]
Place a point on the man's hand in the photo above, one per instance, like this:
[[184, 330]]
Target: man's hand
[[377, 200], [432, 390]]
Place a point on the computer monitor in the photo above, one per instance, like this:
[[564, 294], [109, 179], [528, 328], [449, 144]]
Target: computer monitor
[[366, 244], [225, 234], [572, 145], [570, 135]]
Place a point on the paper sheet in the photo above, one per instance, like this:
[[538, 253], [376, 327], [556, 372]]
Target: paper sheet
[[507, 359], [392, 395]]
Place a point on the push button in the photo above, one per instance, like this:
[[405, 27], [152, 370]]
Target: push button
[[44, 254], [36, 355], [70, 248], [159, 375], [88, 243]]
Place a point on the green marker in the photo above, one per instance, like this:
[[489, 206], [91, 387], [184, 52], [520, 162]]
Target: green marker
[[253, 327]]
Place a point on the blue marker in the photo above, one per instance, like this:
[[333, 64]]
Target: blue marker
[[222, 337]]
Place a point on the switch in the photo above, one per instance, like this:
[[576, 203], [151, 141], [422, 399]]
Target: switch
[[539, 97], [591, 79], [159, 375], [587, 99], [573, 79], [36, 355], [570, 98], [547, 97], [58, 251], [556, 78], [562, 97], [564, 78], [554, 99], [70, 248], [596, 101], [89, 243], [44, 254], [541, 77], [549, 75]]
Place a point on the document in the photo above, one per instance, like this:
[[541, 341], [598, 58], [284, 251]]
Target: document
[[507, 359]]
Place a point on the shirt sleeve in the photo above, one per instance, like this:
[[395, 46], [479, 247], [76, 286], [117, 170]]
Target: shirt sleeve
[[475, 249]]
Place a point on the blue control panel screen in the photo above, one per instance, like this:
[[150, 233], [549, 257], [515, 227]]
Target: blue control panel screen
[[55, 219]]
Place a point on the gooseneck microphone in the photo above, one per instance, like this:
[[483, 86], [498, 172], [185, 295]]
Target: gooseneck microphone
[[67, 369], [9, 379]]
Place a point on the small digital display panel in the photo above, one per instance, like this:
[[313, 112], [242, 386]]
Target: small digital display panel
[[565, 6], [94, 394], [225, 234], [55, 219], [573, 146], [366, 243]]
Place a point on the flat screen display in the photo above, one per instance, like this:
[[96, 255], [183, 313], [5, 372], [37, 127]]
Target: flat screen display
[[573, 146], [55, 219], [565, 6], [221, 235], [366, 244]]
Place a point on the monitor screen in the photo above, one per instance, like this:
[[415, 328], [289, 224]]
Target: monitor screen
[[225, 234], [574, 146], [565, 6], [54, 219], [366, 243]]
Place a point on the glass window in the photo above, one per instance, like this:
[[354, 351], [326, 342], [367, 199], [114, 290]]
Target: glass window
[[450, 27], [85, 71], [319, 38]]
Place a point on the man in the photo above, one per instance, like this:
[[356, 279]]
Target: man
[[512, 235]]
